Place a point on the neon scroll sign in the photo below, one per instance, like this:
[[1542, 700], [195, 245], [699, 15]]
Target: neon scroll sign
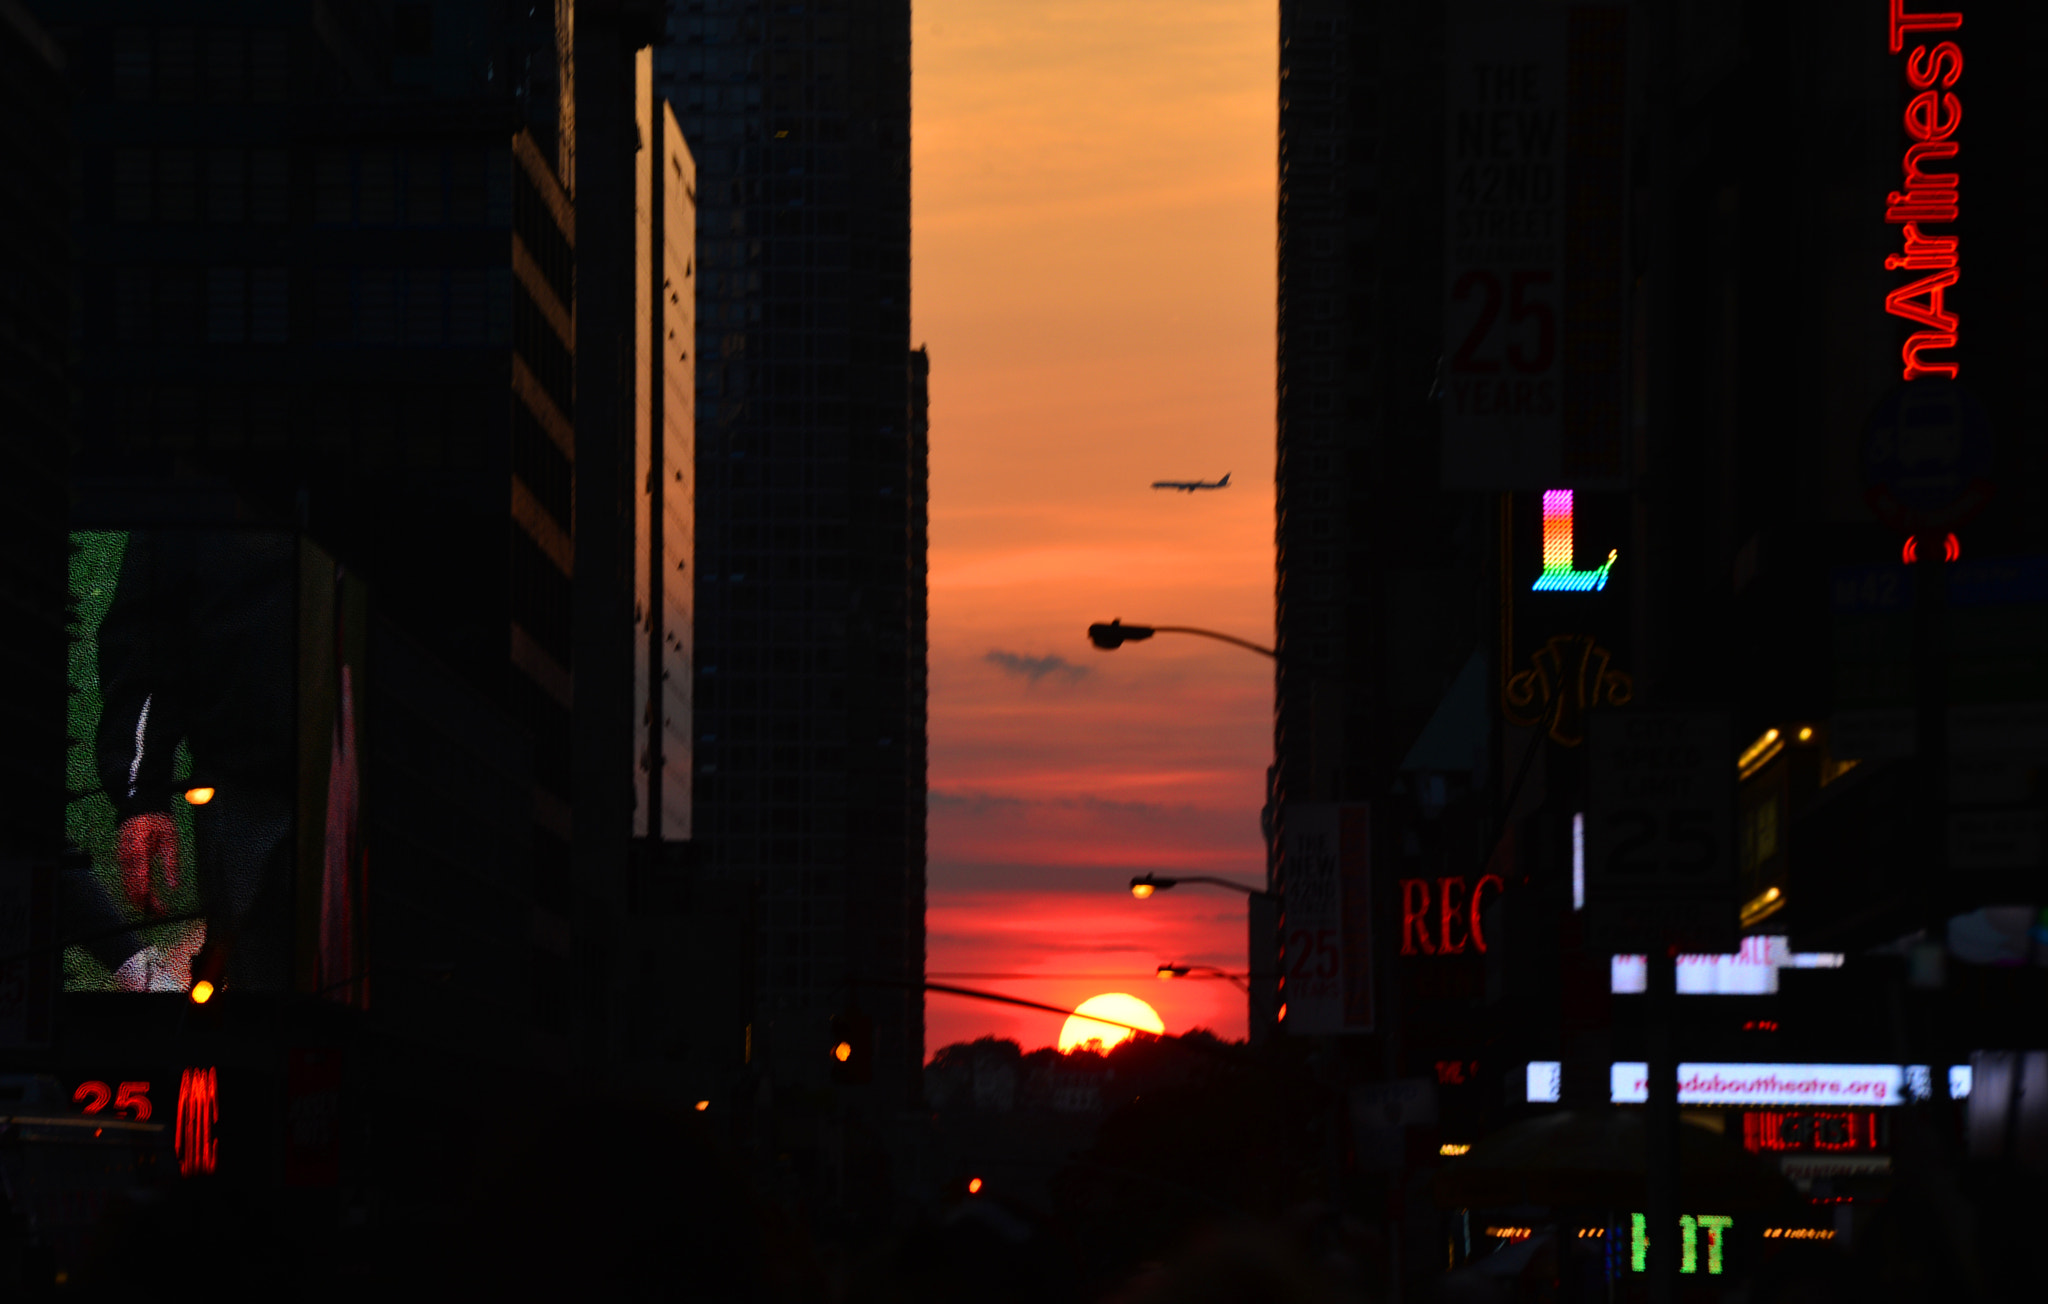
[[1715, 1225], [1926, 195], [1559, 576]]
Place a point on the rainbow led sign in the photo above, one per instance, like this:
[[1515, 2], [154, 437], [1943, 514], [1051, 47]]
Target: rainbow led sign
[[1559, 575]]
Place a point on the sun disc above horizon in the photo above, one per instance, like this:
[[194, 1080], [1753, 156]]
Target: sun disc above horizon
[[1080, 1030]]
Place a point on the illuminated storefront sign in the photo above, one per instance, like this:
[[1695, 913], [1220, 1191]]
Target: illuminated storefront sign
[[1560, 575], [1811, 1130], [1876, 1085], [127, 1099], [1446, 921], [198, 1116], [1928, 192], [1763, 1084], [1750, 971], [1714, 1226]]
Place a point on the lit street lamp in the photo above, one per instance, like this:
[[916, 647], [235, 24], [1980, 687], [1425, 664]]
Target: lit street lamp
[[1144, 885], [1262, 924]]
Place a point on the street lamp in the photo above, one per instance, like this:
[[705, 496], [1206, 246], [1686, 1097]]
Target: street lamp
[[1144, 885], [1262, 924], [1168, 972], [1115, 634]]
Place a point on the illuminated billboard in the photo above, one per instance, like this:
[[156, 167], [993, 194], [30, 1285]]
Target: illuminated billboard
[[1785, 1084], [1763, 1084], [216, 690]]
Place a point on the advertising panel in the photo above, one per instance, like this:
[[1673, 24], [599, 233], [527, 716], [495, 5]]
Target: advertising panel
[[1660, 823], [1785, 1084], [1326, 924], [1533, 200], [334, 610], [213, 771]]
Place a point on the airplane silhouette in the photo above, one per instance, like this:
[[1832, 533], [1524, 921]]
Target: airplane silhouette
[[1189, 486]]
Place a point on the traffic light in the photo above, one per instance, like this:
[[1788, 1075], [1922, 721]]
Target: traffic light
[[852, 1049]]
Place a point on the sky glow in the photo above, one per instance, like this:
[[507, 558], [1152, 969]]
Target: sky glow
[[1092, 218]]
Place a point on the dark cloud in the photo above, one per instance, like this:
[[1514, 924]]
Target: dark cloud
[[980, 802], [1037, 668]]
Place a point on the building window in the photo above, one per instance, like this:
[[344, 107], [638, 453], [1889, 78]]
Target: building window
[[269, 305], [131, 185], [226, 305], [177, 303], [378, 319], [270, 67], [177, 191], [423, 306], [226, 66], [131, 305], [269, 186], [131, 64], [378, 203], [423, 189], [225, 182], [178, 65], [466, 314], [331, 188]]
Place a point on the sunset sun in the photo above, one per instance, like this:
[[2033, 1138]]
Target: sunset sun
[[1080, 1030]]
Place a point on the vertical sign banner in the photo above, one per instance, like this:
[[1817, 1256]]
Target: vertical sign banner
[[1660, 863], [1504, 201], [1326, 920], [1534, 201]]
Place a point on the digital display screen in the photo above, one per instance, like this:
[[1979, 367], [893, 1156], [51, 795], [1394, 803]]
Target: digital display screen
[[183, 763], [1812, 1131]]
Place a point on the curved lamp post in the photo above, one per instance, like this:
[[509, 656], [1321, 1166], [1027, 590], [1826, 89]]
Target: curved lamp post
[[1115, 634], [1144, 885], [1168, 972]]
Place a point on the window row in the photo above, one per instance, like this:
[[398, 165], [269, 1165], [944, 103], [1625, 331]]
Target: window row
[[178, 65], [427, 306], [212, 185]]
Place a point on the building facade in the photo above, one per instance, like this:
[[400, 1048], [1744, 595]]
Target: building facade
[[810, 452], [1590, 412]]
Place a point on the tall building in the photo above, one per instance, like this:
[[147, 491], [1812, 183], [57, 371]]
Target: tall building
[[339, 274], [1590, 418], [810, 589], [36, 377]]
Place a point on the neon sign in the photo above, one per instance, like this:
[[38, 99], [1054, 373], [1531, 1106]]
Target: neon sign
[[1805, 1130], [1925, 195], [1715, 1225], [1559, 574], [130, 1098], [1453, 924], [1909, 553], [198, 1115]]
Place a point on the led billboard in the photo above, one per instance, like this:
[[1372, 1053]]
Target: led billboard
[[212, 768]]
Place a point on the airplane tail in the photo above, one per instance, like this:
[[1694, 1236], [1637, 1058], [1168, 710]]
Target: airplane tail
[[1224, 481]]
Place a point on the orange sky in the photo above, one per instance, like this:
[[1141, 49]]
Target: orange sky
[[1092, 268]]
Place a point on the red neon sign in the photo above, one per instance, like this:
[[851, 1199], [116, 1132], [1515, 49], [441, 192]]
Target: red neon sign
[[1928, 192], [1810, 1130], [1452, 923], [198, 1115], [130, 1098]]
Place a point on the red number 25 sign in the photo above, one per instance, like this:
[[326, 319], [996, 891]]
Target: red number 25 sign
[[128, 1099]]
